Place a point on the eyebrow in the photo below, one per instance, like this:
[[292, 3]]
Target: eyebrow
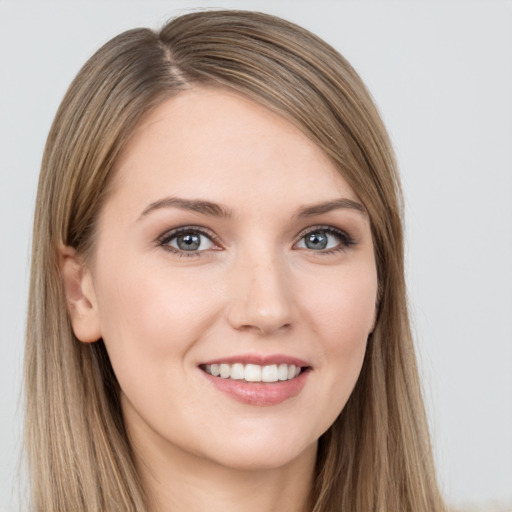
[[336, 204], [217, 210], [195, 205]]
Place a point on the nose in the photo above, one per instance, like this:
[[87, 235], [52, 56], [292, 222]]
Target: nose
[[261, 298]]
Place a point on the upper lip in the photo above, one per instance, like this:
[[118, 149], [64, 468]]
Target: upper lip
[[261, 360]]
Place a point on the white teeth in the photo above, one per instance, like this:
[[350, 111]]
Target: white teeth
[[225, 370], [237, 371], [214, 370], [253, 372], [269, 373], [282, 372]]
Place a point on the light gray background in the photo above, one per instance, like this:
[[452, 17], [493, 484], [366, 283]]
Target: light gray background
[[441, 74]]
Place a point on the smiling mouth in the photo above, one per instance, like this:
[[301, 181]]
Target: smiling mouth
[[254, 372]]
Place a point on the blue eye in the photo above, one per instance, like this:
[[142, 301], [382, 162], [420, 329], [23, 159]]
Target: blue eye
[[187, 240], [324, 239]]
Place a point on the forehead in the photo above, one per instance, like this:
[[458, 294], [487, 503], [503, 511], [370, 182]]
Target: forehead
[[216, 144]]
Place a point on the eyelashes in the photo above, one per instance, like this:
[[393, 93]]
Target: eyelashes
[[193, 241], [324, 239], [189, 241]]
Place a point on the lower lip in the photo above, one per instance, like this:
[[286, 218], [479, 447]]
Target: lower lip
[[259, 393]]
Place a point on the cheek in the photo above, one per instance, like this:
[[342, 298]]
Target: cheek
[[342, 314], [343, 308], [151, 317]]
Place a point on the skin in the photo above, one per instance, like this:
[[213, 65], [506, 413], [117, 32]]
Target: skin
[[253, 287]]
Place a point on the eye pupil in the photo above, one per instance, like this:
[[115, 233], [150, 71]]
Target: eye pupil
[[188, 242], [316, 240]]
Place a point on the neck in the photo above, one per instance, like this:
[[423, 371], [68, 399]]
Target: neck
[[180, 482]]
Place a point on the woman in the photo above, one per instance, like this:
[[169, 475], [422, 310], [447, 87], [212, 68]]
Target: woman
[[218, 314]]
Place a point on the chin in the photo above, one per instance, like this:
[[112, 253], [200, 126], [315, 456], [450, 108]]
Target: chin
[[259, 454], [265, 461]]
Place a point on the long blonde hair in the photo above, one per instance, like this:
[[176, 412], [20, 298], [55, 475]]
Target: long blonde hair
[[376, 456]]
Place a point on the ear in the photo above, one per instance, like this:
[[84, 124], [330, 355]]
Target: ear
[[80, 296]]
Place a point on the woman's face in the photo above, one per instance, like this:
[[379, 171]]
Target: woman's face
[[230, 244]]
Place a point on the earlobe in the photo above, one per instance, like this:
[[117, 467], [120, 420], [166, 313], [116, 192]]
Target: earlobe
[[80, 296]]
